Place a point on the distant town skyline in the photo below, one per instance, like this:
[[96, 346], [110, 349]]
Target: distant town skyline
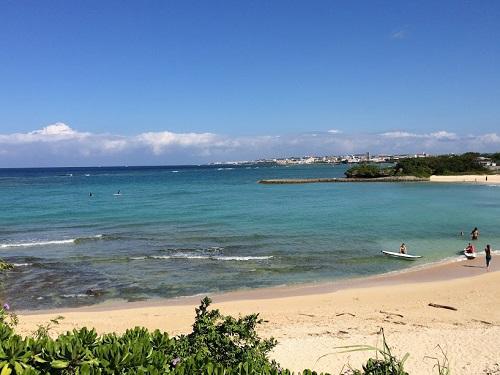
[[132, 83]]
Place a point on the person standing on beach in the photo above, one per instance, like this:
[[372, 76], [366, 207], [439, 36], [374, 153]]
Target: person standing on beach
[[487, 251], [474, 234]]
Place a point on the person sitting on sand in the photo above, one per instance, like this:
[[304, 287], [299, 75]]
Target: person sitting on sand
[[402, 248], [470, 249], [474, 234]]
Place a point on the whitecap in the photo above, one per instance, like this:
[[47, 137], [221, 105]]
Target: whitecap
[[49, 242], [204, 257], [78, 295], [236, 258], [36, 243]]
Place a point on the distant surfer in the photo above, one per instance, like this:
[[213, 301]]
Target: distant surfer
[[90, 194], [474, 234], [487, 251], [402, 248]]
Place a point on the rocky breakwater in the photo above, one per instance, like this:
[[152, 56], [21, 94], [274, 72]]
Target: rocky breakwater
[[340, 180]]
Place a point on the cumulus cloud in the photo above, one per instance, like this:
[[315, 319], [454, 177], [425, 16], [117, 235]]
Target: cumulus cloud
[[161, 141], [59, 144], [444, 135], [51, 133]]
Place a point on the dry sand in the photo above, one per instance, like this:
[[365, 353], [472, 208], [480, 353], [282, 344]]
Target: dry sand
[[310, 321], [480, 179]]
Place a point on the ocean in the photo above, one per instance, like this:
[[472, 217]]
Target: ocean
[[188, 230]]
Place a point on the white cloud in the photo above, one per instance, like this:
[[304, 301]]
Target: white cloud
[[489, 138], [59, 144], [58, 128], [439, 135], [444, 135], [163, 141], [51, 133], [400, 134]]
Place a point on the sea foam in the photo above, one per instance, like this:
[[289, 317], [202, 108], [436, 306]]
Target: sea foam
[[50, 242], [204, 257]]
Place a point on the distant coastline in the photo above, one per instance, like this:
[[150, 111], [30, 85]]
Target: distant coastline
[[479, 179]]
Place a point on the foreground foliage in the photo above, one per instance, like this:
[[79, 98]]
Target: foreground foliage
[[217, 345]]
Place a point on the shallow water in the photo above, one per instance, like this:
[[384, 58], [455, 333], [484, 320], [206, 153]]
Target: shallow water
[[177, 231]]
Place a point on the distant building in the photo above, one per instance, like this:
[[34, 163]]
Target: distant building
[[486, 162]]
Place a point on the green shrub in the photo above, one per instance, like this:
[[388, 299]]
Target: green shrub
[[440, 165], [218, 345], [366, 170]]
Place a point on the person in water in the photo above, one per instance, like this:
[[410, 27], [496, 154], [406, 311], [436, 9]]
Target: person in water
[[487, 251], [474, 234], [470, 248], [402, 248]]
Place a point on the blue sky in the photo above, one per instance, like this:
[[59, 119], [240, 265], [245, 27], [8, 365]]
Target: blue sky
[[230, 80]]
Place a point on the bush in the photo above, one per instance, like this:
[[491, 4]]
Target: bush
[[218, 345], [368, 171], [440, 165]]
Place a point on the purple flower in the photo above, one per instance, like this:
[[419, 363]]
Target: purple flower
[[175, 361], [6, 306]]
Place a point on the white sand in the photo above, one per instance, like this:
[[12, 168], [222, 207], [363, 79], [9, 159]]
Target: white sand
[[311, 321], [480, 179]]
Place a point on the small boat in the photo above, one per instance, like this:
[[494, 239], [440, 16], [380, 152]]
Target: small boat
[[401, 256], [470, 255]]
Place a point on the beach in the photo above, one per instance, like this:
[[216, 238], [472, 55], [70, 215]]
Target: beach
[[480, 179], [311, 320]]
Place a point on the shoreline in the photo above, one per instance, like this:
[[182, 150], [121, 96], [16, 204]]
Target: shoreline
[[311, 320], [483, 179], [441, 270]]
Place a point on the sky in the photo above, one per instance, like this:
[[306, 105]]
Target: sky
[[180, 82]]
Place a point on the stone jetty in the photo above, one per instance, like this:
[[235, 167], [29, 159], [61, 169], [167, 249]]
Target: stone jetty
[[340, 180]]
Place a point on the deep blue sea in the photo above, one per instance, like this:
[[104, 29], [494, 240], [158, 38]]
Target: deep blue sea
[[180, 231]]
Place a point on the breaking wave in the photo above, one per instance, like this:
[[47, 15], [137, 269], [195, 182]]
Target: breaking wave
[[51, 242], [204, 257]]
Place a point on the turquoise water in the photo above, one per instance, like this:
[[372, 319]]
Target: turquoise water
[[178, 231]]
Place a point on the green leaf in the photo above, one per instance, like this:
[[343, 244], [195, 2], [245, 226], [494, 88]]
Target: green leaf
[[6, 370], [59, 364]]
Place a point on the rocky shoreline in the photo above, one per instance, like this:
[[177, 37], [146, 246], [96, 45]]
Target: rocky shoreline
[[316, 180]]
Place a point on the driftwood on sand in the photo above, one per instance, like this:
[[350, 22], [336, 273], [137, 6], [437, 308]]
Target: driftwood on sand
[[443, 306]]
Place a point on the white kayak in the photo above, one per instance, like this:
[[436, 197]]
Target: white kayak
[[470, 255], [401, 256]]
